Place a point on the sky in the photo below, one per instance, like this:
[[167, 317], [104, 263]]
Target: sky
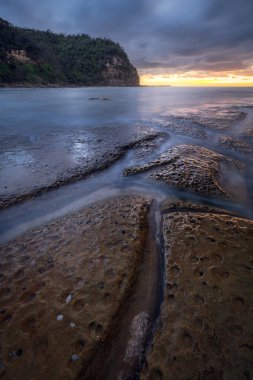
[[171, 42]]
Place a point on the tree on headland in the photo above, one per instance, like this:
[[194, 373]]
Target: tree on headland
[[43, 57]]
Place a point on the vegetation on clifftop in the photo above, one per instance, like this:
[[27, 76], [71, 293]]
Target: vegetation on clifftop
[[30, 56]]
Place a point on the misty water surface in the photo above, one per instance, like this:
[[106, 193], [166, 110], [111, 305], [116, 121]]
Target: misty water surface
[[48, 132]]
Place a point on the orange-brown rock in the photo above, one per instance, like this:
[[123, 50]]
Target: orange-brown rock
[[63, 284], [192, 168], [206, 318]]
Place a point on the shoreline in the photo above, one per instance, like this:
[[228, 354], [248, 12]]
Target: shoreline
[[54, 85], [24, 85]]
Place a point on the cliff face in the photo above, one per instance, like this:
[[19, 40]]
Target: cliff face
[[33, 57], [117, 73]]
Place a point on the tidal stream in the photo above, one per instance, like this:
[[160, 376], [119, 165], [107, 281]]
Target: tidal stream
[[54, 167]]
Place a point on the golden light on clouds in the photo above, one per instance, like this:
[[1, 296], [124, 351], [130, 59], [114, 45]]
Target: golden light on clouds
[[199, 79]]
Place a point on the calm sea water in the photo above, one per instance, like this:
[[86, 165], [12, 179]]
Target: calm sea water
[[36, 111]]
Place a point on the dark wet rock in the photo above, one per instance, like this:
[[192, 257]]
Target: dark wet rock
[[181, 126], [2, 370], [99, 99], [30, 168], [206, 317], [183, 206], [55, 317], [218, 118], [191, 168], [234, 144], [247, 132], [19, 352], [149, 146], [178, 125]]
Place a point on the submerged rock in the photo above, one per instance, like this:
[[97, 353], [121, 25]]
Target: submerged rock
[[181, 126], [217, 118], [87, 255], [234, 144], [191, 168], [149, 146], [248, 132], [206, 317], [99, 99]]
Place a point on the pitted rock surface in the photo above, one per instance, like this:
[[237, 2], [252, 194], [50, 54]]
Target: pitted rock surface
[[149, 146], [206, 318], [234, 144], [191, 168], [62, 285], [185, 127]]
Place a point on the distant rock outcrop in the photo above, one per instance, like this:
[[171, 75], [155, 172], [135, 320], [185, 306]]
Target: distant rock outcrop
[[33, 57]]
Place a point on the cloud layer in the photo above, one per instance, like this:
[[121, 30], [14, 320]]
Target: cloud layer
[[159, 36]]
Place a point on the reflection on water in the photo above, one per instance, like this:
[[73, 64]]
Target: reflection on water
[[20, 158], [80, 150], [32, 111]]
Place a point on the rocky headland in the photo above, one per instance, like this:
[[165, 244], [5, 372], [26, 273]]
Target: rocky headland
[[31, 57]]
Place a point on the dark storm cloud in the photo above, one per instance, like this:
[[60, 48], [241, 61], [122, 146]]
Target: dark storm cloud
[[181, 35]]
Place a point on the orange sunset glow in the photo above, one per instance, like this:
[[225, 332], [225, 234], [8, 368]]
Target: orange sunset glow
[[198, 79]]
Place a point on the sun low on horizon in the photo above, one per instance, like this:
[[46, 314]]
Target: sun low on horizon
[[196, 80]]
